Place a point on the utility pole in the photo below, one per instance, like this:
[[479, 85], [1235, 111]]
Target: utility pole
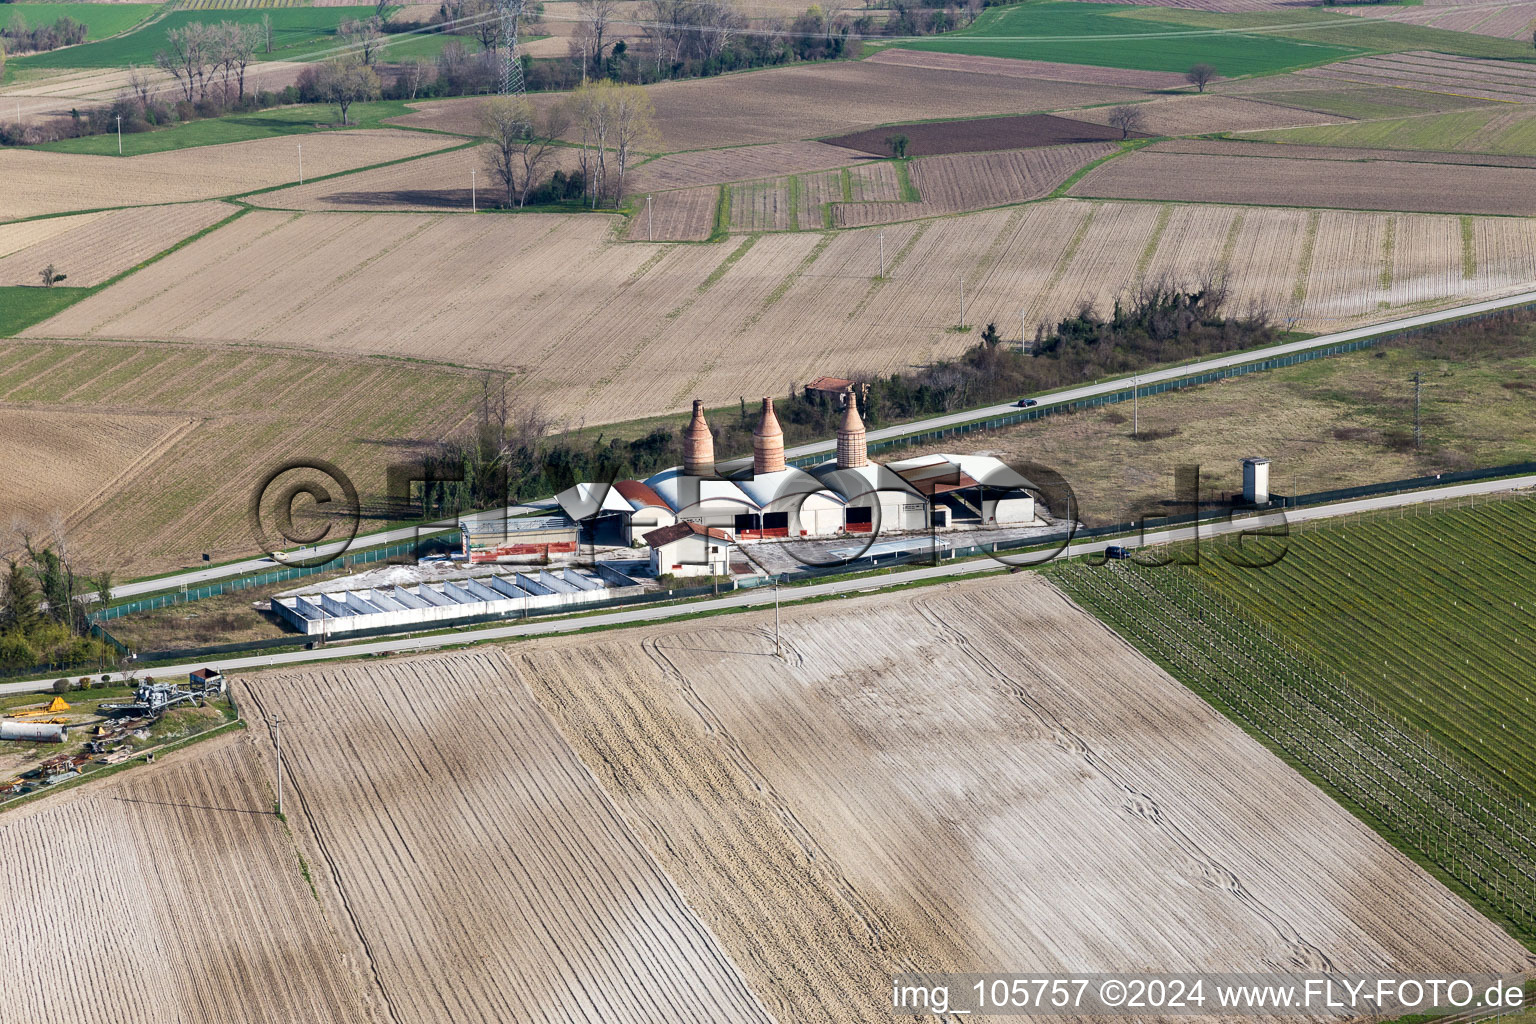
[[882, 254], [650, 227], [301, 163], [472, 207], [1023, 330], [1135, 405], [119, 134], [778, 648], [1418, 390], [961, 279], [277, 736]]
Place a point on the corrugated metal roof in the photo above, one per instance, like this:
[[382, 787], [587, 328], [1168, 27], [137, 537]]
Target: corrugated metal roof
[[509, 527], [788, 483]]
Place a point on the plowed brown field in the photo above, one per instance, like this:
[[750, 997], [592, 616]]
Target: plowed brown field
[[59, 463], [1210, 112], [142, 502], [714, 166], [39, 182], [682, 215], [488, 873], [812, 100], [1375, 185], [861, 808], [93, 247], [172, 894]]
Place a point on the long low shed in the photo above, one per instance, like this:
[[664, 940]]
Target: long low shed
[[480, 597]]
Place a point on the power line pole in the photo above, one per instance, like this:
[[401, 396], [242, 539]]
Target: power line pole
[[882, 254], [301, 163], [1418, 391], [650, 227], [961, 279], [277, 736], [778, 649], [1135, 406], [473, 207]]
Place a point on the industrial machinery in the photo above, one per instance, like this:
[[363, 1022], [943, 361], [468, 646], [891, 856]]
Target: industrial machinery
[[34, 732]]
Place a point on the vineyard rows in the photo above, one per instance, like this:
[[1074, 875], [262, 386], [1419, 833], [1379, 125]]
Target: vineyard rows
[[1416, 790]]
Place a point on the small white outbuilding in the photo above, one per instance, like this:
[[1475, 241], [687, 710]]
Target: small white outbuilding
[[688, 549]]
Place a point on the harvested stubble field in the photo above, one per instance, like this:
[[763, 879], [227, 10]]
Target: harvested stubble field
[[1331, 423], [834, 819], [812, 100], [977, 135], [682, 215], [438, 182], [41, 182], [1504, 128], [1440, 72], [1241, 147], [973, 181], [739, 163], [485, 871], [173, 893], [1010, 67], [254, 410], [93, 247], [536, 293], [1501, 20], [59, 461], [1372, 185]]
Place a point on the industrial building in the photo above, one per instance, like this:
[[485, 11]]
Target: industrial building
[[497, 540], [769, 499], [438, 604], [688, 549]]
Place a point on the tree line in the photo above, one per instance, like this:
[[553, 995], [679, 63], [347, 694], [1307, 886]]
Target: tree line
[[16, 37], [512, 452], [41, 622]]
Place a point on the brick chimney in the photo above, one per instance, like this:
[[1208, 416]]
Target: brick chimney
[[852, 448], [698, 445], [767, 442]]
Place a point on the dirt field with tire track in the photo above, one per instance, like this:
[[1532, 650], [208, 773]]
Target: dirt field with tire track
[[171, 893], [865, 771], [490, 876]]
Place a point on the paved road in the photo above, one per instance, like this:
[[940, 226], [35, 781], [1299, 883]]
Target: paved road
[[196, 577], [761, 596], [1186, 370]]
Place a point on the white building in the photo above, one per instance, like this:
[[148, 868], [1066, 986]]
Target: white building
[[688, 549]]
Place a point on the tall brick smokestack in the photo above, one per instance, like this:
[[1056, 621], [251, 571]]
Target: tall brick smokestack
[[852, 448], [767, 442], [698, 445]]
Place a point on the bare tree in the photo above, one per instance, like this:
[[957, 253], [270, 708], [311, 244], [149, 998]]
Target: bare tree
[[345, 82], [596, 15], [381, 10], [589, 111], [415, 75], [522, 143], [138, 85], [1128, 119], [187, 58], [266, 32], [485, 23], [633, 119], [364, 36], [50, 276], [681, 30], [1200, 76]]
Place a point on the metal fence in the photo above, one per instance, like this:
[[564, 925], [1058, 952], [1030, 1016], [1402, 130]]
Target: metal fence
[[187, 594], [1010, 419]]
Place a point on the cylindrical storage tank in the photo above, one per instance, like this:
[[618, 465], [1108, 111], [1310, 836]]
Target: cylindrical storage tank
[[34, 732]]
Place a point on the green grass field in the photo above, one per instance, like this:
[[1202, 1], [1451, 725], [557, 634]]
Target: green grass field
[[100, 20], [1481, 130], [298, 33], [295, 120], [21, 307], [1107, 35]]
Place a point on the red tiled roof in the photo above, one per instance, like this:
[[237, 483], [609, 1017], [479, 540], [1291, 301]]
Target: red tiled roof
[[829, 384], [936, 479], [634, 490], [677, 531]]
